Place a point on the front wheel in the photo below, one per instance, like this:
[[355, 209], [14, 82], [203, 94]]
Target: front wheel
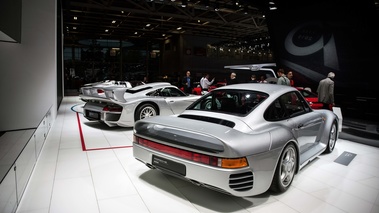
[[332, 138], [145, 111], [285, 170]]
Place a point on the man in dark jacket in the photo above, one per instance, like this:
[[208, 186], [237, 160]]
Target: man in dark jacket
[[325, 91], [187, 82], [233, 79]]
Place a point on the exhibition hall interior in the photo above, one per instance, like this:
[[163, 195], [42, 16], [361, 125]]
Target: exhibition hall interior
[[58, 154]]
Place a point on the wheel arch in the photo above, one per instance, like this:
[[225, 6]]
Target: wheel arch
[[297, 156], [146, 102]]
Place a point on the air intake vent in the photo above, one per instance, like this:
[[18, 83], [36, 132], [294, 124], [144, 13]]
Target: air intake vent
[[241, 182], [208, 119]]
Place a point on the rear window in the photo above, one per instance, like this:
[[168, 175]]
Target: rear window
[[237, 102], [245, 75]]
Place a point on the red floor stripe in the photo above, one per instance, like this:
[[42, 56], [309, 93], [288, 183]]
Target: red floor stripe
[[81, 133], [94, 149]]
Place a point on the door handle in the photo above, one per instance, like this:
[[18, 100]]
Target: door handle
[[300, 125]]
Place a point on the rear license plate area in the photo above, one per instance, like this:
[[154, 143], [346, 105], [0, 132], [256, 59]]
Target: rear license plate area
[[169, 165], [94, 115]]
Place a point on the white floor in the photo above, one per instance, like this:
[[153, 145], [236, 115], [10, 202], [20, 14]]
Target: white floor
[[106, 178]]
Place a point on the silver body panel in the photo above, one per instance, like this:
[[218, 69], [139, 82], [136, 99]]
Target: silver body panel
[[251, 136]]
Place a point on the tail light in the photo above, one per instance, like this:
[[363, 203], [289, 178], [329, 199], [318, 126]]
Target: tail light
[[228, 163], [100, 91]]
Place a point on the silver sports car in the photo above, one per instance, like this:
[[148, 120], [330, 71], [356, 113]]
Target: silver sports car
[[241, 139], [121, 106]]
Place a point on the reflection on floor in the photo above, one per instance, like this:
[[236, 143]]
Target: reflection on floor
[[96, 172]]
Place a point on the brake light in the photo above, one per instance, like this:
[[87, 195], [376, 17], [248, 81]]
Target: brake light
[[229, 163], [112, 108]]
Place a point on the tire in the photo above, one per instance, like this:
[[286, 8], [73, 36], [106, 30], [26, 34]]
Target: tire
[[145, 111], [285, 170], [332, 138]]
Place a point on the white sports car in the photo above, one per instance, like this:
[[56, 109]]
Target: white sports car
[[241, 139], [121, 106]]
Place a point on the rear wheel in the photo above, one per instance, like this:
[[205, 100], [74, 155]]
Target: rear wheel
[[285, 170], [332, 138], [145, 111]]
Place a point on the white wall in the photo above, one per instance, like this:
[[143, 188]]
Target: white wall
[[28, 72]]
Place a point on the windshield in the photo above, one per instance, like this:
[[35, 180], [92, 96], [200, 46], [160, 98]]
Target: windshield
[[237, 102]]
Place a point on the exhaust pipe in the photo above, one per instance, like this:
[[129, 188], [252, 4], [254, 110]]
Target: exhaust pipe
[[150, 166]]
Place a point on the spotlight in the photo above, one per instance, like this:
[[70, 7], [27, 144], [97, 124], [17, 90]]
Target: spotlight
[[184, 3]]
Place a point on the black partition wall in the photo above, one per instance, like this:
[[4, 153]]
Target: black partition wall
[[318, 37]]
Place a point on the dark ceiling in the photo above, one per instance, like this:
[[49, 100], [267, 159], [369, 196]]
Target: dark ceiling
[[229, 20], [160, 19]]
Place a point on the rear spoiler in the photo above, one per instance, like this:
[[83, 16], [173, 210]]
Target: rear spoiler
[[252, 67]]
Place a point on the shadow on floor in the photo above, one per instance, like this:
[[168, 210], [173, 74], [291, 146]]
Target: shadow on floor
[[361, 131]]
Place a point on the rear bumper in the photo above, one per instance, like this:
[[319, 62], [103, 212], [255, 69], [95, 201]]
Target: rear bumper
[[237, 182], [94, 112]]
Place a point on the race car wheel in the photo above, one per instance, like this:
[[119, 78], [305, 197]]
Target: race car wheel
[[285, 170], [144, 111], [332, 138]]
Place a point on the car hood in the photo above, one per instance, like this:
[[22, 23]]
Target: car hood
[[203, 134]]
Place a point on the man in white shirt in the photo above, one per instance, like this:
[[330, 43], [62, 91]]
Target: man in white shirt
[[205, 83]]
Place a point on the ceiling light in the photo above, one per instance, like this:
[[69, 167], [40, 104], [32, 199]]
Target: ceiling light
[[75, 18], [74, 28], [217, 6], [147, 25], [184, 3], [113, 21], [135, 33], [206, 3], [106, 30], [179, 28]]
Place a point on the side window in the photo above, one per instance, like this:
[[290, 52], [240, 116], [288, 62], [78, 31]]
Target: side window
[[275, 111], [175, 92], [165, 92], [293, 104], [287, 105]]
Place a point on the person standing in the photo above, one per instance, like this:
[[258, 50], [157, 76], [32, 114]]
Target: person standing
[[233, 79], [325, 91], [253, 79], [282, 78], [263, 80], [290, 77], [187, 82], [205, 83]]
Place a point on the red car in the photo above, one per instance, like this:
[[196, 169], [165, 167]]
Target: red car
[[196, 90], [311, 97]]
